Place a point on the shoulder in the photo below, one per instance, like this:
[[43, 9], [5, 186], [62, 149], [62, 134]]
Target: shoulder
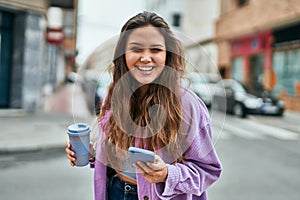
[[194, 108], [102, 122], [190, 100]]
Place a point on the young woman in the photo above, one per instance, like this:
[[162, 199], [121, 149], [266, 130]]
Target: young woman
[[147, 107]]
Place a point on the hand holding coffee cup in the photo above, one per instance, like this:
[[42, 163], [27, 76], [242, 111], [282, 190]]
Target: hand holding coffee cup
[[79, 144]]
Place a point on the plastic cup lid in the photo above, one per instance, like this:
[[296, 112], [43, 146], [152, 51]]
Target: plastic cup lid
[[78, 128]]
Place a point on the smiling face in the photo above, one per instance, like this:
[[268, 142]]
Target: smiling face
[[145, 54]]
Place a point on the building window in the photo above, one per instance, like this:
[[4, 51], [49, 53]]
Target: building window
[[176, 20], [286, 67], [237, 69], [242, 2]]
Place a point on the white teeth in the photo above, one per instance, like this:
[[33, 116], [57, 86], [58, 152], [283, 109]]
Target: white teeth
[[145, 68]]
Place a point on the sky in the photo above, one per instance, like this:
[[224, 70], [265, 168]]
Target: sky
[[100, 20]]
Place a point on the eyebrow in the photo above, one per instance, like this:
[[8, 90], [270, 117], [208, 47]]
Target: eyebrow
[[154, 45]]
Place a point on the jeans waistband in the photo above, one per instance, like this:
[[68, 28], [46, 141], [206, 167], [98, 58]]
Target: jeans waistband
[[128, 187], [125, 178]]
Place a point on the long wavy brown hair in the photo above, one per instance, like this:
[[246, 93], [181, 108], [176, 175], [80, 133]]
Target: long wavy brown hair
[[152, 121]]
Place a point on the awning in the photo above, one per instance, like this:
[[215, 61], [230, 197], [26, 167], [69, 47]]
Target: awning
[[67, 4]]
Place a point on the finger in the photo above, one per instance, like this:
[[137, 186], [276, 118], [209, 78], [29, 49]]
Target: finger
[[139, 168], [72, 163], [71, 158], [68, 150], [158, 164], [145, 167], [68, 145], [70, 153]]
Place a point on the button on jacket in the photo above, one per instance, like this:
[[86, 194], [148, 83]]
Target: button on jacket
[[186, 181]]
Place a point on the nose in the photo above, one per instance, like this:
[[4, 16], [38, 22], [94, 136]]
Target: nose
[[146, 57]]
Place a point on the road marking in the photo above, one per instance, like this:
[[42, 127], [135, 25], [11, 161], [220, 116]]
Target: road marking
[[258, 131], [226, 129], [275, 131], [251, 135]]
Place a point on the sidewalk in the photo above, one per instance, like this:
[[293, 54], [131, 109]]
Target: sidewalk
[[44, 129]]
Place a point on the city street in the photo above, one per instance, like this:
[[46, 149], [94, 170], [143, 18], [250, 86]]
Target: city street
[[61, 60], [44, 175], [259, 162]]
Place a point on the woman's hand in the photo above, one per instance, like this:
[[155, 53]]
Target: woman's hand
[[71, 154], [153, 172]]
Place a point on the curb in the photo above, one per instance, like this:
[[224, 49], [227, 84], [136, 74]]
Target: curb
[[30, 148]]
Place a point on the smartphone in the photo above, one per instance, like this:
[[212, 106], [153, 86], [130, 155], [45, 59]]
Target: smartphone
[[138, 154]]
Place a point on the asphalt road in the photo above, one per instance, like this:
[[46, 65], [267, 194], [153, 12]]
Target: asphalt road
[[43, 175], [259, 162]]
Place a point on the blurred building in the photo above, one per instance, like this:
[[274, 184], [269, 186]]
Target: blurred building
[[194, 24], [259, 44], [36, 50]]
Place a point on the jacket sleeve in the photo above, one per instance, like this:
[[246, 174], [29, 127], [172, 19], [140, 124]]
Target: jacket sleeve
[[201, 166]]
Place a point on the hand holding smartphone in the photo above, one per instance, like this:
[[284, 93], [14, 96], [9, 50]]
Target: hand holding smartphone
[[138, 154]]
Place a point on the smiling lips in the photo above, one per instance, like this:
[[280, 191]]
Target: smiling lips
[[145, 68]]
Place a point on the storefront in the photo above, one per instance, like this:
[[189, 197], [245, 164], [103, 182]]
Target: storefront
[[270, 60], [33, 53], [21, 54], [286, 64], [252, 60]]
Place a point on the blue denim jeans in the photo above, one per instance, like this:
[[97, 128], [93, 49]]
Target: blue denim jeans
[[121, 190]]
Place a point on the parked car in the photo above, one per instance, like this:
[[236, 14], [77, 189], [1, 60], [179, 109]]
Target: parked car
[[232, 97], [95, 87], [101, 90], [203, 84]]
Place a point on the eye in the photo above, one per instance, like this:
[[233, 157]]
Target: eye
[[136, 49], [156, 50]]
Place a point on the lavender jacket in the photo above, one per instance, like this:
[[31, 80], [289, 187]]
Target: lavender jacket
[[184, 181]]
